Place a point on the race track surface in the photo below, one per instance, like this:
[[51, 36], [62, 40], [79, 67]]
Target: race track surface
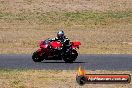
[[90, 62]]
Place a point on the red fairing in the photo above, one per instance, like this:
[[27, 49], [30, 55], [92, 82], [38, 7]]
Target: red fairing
[[75, 44], [39, 51], [41, 43], [44, 46], [56, 44]]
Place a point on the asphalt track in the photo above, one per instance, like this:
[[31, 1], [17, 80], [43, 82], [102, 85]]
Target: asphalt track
[[90, 62]]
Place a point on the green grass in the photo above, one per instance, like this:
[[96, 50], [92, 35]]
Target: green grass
[[29, 2], [70, 18]]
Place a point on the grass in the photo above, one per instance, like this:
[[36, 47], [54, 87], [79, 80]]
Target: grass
[[10, 78], [68, 18]]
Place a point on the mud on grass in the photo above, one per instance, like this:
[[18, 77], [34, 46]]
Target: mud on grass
[[51, 78]]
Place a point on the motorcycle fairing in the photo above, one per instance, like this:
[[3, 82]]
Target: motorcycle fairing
[[55, 44], [75, 45], [40, 51]]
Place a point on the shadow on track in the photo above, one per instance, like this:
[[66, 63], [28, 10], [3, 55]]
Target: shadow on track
[[62, 62]]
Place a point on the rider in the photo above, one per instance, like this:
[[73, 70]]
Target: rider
[[62, 38]]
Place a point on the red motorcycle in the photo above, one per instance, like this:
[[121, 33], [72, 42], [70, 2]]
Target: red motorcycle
[[55, 50]]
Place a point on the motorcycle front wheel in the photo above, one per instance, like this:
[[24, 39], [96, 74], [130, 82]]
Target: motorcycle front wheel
[[36, 57]]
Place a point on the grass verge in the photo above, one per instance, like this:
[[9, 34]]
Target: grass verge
[[51, 78], [99, 32]]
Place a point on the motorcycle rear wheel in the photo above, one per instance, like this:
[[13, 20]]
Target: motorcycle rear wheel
[[74, 54], [36, 57], [72, 58]]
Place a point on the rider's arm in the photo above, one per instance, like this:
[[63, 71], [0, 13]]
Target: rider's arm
[[66, 41], [54, 39]]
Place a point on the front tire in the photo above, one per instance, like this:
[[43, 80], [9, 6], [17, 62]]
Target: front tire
[[36, 57]]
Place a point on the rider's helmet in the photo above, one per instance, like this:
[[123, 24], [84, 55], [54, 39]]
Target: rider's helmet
[[60, 34]]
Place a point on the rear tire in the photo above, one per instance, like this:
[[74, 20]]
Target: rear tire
[[70, 58], [36, 57], [67, 59], [74, 54]]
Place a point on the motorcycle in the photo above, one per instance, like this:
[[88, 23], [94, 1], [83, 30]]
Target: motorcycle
[[55, 50]]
